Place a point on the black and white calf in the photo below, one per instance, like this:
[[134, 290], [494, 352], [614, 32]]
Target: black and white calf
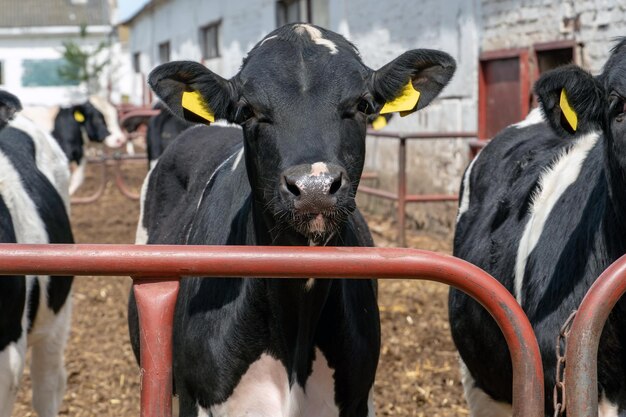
[[34, 310], [162, 130], [94, 120], [288, 176], [543, 209]]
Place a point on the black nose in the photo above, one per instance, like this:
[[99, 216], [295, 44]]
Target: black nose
[[314, 188]]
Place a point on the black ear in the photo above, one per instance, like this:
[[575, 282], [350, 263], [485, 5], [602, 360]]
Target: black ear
[[427, 70], [572, 101], [9, 105], [210, 93]]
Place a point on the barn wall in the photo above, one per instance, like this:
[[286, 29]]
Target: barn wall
[[521, 23], [384, 31]]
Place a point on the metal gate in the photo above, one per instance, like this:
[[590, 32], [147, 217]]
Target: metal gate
[[581, 360], [156, 271]]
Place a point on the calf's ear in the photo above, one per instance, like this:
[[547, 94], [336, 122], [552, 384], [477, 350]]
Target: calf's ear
[[411, 81], [571, 100], [192, 92], [9, 105]]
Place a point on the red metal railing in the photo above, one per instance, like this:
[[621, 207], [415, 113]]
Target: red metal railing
[[113, 162], [581, 361], [156, 271], [401, 196]]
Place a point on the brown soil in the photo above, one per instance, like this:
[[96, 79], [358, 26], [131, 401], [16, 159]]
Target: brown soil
[[418, 371]]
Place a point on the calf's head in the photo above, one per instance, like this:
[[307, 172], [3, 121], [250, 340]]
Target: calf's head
[[91, 120], [302, 98], [99, 120], [9, 105], [576, 103]]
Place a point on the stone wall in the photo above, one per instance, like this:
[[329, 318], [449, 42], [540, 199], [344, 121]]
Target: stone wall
[[521, 23]]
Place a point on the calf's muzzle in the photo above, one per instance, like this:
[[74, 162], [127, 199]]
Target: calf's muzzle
[[314, 188]]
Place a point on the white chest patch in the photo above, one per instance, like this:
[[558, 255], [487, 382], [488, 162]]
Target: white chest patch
[[264, 391], [552, 184]]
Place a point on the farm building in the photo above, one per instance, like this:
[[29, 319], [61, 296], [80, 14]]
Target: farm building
[[501, 47], [31, 44]]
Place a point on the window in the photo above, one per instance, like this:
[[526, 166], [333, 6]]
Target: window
[[550, 55], [291, 11], [209, 40], [504, 93], [44, 73], [164, 52], [137, 62]]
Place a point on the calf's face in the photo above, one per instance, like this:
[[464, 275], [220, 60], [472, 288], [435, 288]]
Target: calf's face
[[302, 98], [92, 120], [575, 102]]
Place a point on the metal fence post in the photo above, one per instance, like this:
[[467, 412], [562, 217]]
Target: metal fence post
[[156, 299], [401, 192], [581, 360]]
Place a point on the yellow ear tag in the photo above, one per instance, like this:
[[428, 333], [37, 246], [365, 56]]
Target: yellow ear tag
[[79, 117], [193, 102], [568, 111], [379, 123], [404, 103]]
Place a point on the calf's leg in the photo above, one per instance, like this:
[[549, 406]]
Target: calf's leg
[[11, 369], [48, 367]]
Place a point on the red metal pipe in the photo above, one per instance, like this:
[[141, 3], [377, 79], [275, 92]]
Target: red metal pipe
[[581, 361], [431, 198], [146, 113], [401, 208], [321, 262], [378, 193], [401, 196], [121, 183], [156, 300], [101, 186], [421, 136]]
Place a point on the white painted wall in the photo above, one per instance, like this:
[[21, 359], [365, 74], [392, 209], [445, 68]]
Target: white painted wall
[[17, 45]]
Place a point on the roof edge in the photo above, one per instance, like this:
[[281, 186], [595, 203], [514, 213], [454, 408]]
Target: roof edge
[[150, 5]]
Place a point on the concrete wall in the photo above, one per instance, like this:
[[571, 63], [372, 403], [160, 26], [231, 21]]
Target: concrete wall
[[382, 31]]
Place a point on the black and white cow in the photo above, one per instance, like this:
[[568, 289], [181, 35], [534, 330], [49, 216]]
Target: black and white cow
[[162, 130], [288, 176], [543, 209], [94, 120], [34, 310]]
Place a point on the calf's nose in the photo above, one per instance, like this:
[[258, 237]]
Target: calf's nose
[[314, 188]]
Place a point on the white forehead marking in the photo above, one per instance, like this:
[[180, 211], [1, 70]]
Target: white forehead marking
[[316, 36], [318, 169], [267, 39]]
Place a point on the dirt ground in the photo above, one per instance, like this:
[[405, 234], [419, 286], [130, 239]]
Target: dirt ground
[[417, 375]]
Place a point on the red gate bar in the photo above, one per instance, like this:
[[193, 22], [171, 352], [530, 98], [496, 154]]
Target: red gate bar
[[401, 196], [114, 161], [150, 262], [581, 360]]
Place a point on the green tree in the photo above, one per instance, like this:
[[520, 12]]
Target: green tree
[[83, 65]]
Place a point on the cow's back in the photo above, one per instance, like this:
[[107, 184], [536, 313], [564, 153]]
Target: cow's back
[[176, 184], [522, 201]]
